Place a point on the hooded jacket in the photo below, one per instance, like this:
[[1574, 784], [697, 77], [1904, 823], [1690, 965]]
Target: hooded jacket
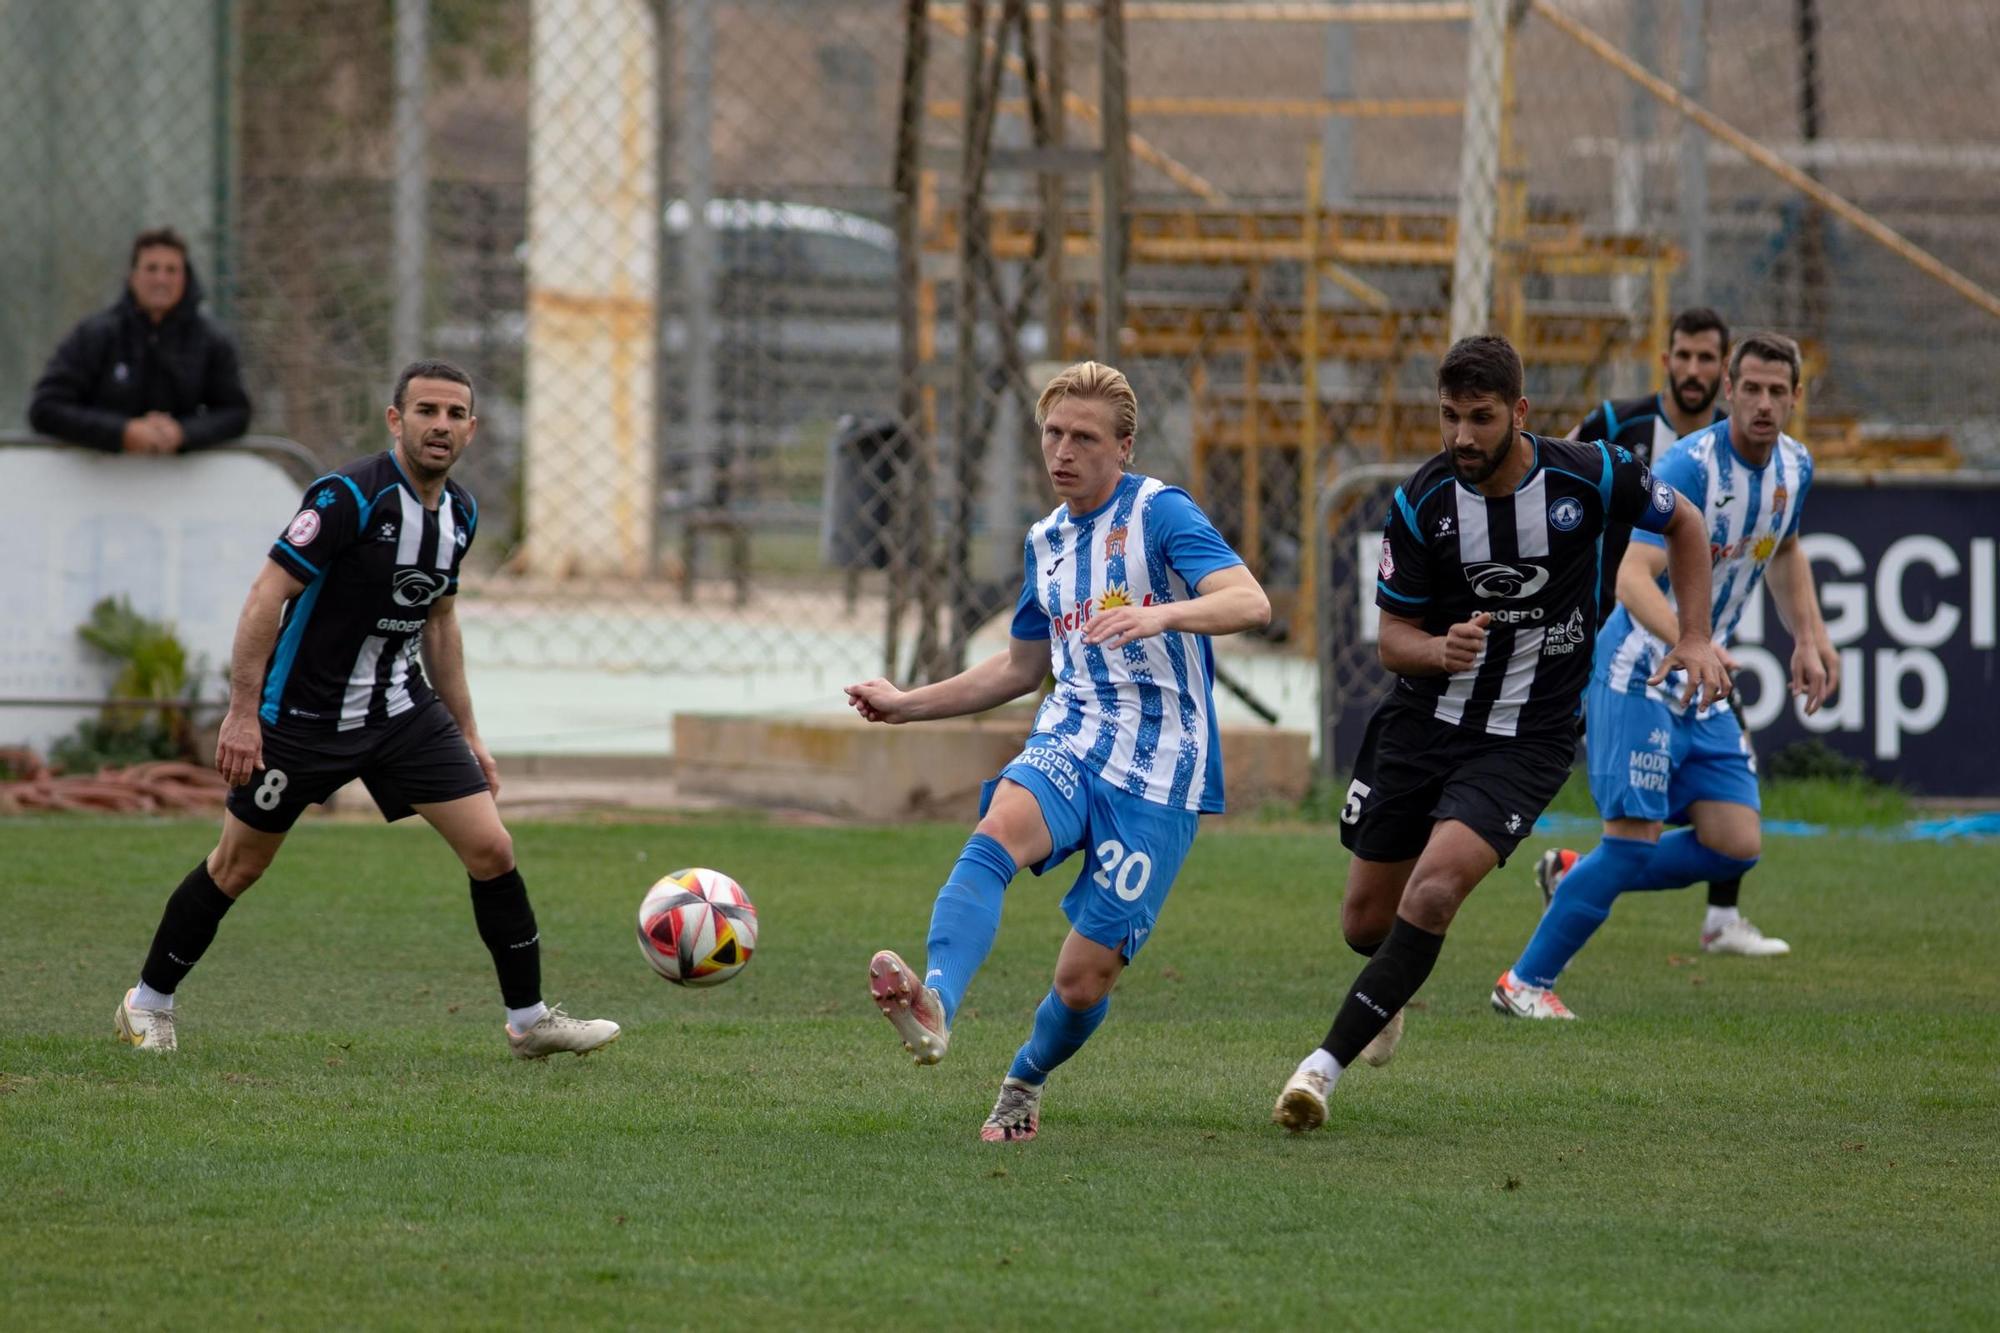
[[117, 364]]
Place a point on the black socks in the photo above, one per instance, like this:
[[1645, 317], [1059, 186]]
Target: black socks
[[187, 928], [507, 926], [1722, 892], [1392, 976]]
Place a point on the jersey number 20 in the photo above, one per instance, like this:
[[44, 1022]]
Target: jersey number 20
[[1125, 874]]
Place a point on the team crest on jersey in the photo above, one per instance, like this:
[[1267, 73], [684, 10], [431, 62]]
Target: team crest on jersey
[[1387, 569], [1663, 497], [1778, 498], [304, 528], [1566, 513], [1114, 542], [324, 500]]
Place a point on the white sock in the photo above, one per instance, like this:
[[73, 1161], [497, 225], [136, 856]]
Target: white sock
[[145, 997], [522, 1019], [1718, 917], [1321, 1062]]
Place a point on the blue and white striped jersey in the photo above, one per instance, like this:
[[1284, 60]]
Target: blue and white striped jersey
[[1749, 510], [1141, 717]]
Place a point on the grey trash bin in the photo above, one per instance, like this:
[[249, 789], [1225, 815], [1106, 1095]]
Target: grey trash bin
[[867, 460]]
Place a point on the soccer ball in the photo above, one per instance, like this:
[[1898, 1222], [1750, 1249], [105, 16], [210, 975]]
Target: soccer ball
[[697, 927]]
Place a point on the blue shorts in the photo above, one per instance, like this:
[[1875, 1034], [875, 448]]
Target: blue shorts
[[1134, 846], [1647, 763]]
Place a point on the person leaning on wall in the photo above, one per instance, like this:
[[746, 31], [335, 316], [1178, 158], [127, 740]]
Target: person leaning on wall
[[149, 374]]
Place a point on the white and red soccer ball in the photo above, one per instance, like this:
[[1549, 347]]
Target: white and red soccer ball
[[697, 927]]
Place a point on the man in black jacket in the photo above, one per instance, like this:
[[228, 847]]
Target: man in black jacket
[[150, 374]]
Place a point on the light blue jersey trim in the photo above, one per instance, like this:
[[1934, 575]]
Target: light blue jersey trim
[[288, 650]]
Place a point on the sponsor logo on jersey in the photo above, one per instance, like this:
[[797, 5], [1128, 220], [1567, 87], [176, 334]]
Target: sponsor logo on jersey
[[399, 626], [1663, 497], [1566, 513], [1054, 765], [1646, 770], [1444, 526], [1114, 543], [1075, 619], [417, 587], [1722, 500], [1513, 823], [1515, 615], [323, 500], [1387, 569], [304, 528], [386, 533], [1624, 454], [1493, 578], [460, 536], [1565, 638]]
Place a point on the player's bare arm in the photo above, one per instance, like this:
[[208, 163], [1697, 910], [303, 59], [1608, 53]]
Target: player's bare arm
[[1408, 649], [1688, 571], [444, 661], [1815, 666], [1000, 678], [239, 748], [1228, 601]]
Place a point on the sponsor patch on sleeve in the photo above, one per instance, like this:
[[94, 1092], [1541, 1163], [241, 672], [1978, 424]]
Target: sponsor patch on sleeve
[[1663, 497], [1387, 569], [304, 528]]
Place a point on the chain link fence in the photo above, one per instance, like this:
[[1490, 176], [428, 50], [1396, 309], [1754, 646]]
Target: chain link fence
[[758, 293]]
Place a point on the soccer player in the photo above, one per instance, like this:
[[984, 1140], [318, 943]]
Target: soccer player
[[325, 686], [1652, 759], [1697, 347], [1123, 585], [1488, 590]]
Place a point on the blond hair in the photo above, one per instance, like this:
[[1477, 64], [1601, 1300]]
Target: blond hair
[[1093, 379]]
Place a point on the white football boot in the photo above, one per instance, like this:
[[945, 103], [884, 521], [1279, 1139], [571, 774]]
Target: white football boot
[[148, 1029], [1515, 998], [1017, 1115], [911, 1007], [1740, 937], [557, 1031], [1302, 1104]]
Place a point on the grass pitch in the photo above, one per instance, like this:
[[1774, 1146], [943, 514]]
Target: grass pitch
[[343, 1139]]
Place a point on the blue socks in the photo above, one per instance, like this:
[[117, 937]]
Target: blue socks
[[1680, 860], [966, 919], [1618, 865], [1060, 1032], [1581, 904]]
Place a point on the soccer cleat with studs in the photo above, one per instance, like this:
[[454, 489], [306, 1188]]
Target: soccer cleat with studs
[[1302, 1105], [1549, 871], [1740, 937], [1515, 998], [148, 1029], [1017, 1115], [911, 1007], [557, 1031]]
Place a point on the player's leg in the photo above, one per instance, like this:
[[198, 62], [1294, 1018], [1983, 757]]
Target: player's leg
[[1453, 862], [1030, 815], [1367, 911], [1728, 835], [1630, 756], [1136, 849], [188, 925], [471, 825]]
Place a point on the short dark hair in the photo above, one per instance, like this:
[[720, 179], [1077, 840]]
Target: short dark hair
[[156, 236], [1773, 347], [429, 370], [1699, 319], [1485, 363]]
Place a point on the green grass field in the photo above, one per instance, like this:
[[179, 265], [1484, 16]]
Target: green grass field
[[343, 1140]]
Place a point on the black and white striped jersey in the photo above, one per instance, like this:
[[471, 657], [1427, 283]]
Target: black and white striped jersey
[[373, 559], [1530, 560]]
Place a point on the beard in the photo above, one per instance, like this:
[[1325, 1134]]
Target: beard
[[1473, 474], [1703, 395]]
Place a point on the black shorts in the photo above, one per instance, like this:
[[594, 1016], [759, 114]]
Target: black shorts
[[1414, 770], [416, 759]]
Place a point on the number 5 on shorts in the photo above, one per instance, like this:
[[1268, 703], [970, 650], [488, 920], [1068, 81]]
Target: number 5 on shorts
[[1357, 792], [272, 790]]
